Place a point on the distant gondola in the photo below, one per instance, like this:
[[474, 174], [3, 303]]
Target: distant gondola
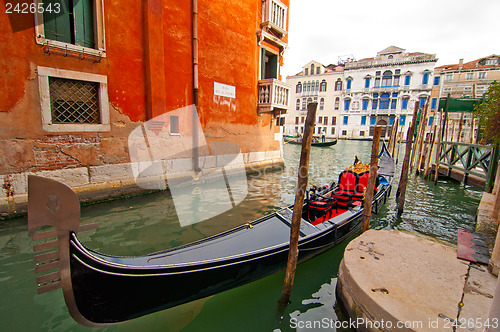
[[101, 289], [317, 143]]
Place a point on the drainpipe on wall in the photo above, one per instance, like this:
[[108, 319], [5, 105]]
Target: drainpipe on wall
[[196, 134]]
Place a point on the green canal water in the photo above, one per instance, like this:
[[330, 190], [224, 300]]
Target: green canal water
[[145, 224]]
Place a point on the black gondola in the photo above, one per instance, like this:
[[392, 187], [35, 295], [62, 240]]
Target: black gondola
[[100, 289], [298, 141]]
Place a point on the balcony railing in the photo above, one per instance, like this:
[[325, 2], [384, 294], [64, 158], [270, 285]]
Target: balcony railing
[[274, 16], [273, 95]]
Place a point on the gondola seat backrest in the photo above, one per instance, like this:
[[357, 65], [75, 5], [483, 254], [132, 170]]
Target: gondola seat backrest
[[348, 180], [363, 184]]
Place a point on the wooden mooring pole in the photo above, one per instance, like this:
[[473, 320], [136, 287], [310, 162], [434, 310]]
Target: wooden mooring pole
[[303, 178], [428, 165], [404, 170], [438, 145], [420, 139], [367, 204]]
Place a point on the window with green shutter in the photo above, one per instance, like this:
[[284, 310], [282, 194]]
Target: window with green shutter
[[74, 24]]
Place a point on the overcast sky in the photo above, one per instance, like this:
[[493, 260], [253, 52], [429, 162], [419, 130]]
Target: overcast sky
[[323, 30]]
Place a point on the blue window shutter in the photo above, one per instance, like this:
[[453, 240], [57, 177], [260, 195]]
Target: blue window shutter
[[374, 104], [433, 103], [348, 84], [347, 104], [425, 79], [365, 104], [431, 118], [407, 79], [421, 102], [391, 120], [436, 80], [367, 83], [363, 120], [345, 120], [402, 120], [373, 120], [404, 106]]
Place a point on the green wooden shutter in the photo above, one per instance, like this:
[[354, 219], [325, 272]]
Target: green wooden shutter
[[83, 12], [262, 63], [57, 26]]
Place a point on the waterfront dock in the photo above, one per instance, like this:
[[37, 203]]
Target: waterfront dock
[[393, 279]]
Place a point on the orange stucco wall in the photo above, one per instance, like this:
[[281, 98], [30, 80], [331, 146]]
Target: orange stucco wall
[[140, 77]]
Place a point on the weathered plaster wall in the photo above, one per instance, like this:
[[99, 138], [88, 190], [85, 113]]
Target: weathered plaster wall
[[137, 75]]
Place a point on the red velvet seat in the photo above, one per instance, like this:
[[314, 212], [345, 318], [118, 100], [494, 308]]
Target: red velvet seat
[[347, 185], [321, 210]]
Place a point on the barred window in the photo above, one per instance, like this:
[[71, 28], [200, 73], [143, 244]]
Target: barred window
[[74, 101]]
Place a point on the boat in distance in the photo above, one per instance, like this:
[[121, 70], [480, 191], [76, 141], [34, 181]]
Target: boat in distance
[[101, 289], [317, 143]]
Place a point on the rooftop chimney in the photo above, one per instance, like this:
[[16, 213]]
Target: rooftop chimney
[[460, 64]]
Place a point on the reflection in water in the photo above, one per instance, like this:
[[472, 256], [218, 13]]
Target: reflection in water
[[146, 224]]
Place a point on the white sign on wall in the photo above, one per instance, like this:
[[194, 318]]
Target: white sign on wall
[[224, 90]]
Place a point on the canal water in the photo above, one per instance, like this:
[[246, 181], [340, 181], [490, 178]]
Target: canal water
[[145, 224]]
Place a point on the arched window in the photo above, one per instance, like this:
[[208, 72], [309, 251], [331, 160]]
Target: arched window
[[297, 105], [337, 103], [404, 103], [322, 104], [394, 100], [338, 85], [312, 69], [316, 88], [387, 78], [384, 101], [425, 78], [347, 104], [322, 87], [407, 78], [365, 104], [349, 83], [367, 81], [304, 105], [421, 101], [298, 88]]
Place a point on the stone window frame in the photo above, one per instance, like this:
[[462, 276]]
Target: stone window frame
[[45, 105]]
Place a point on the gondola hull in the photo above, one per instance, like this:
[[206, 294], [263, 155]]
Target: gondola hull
[[107, 294], [317, 144], [101, 289]]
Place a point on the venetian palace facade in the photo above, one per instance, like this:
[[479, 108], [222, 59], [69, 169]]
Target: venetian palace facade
[[354, 96]]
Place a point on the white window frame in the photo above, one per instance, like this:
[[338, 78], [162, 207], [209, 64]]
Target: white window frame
[[43, 85], [469, 76], [481, 75], [99, 32]]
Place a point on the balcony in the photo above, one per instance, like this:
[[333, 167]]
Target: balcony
[[274, 17], [274, 96]]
